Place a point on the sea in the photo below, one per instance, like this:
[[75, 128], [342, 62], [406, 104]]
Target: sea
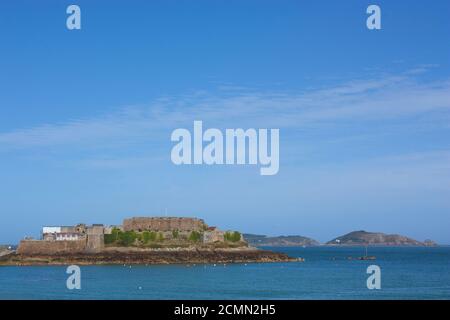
[[326, 273]]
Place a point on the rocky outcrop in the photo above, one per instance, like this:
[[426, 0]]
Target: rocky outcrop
[[281, 241], [142, 257], [374, 238]]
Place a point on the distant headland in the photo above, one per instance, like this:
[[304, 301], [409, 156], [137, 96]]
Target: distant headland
[[355, 238], [279, 241], [139, 240]]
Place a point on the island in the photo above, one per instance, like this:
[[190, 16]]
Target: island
[[139, 240], [280, 241], [364, 238]]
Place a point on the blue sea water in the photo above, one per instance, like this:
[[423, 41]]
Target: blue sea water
[[406, 273]]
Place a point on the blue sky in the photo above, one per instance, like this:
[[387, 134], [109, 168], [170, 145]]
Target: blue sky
[[86, 115]]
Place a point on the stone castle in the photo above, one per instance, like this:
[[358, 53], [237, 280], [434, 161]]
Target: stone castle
[[163, 224], [90, 239]]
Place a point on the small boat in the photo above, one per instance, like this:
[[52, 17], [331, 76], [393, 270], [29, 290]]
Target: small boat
[[367, 257]]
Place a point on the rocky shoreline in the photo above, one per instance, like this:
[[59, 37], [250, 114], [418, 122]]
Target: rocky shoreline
[[147, 257]]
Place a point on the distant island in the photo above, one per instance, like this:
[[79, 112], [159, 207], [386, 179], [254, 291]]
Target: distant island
[[139, 240], [279, 241], [355, 238], [364, 238]]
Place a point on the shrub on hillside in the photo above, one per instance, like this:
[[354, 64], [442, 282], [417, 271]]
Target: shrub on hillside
[[195, 236], [232, 236]]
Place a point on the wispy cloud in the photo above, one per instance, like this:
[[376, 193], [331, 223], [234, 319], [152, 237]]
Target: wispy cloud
[[382, 97]]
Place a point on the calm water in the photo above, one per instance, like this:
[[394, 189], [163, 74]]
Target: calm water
[[407, 273]]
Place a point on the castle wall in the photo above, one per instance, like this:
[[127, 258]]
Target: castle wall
[[95, 238], [51, 247], [213, 236], [68, 229], [163, 224]]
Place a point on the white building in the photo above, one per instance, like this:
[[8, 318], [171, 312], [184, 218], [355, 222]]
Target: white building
[[59, 234], [50, 230], [67, 236]]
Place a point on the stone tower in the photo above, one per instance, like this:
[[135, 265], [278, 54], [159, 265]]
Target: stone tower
[[95, 238]]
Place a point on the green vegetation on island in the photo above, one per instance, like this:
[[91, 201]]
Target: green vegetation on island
[[155, 239], [132, 238], [232, 236]]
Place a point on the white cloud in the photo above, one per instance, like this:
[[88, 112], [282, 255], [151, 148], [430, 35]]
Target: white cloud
[[377, 98]]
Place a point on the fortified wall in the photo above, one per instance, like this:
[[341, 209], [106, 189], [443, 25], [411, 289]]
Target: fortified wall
[[95, 238], [30, 247], [163, 224], [89, 239]]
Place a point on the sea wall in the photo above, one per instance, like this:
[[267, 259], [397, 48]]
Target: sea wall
[[30, 247]]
